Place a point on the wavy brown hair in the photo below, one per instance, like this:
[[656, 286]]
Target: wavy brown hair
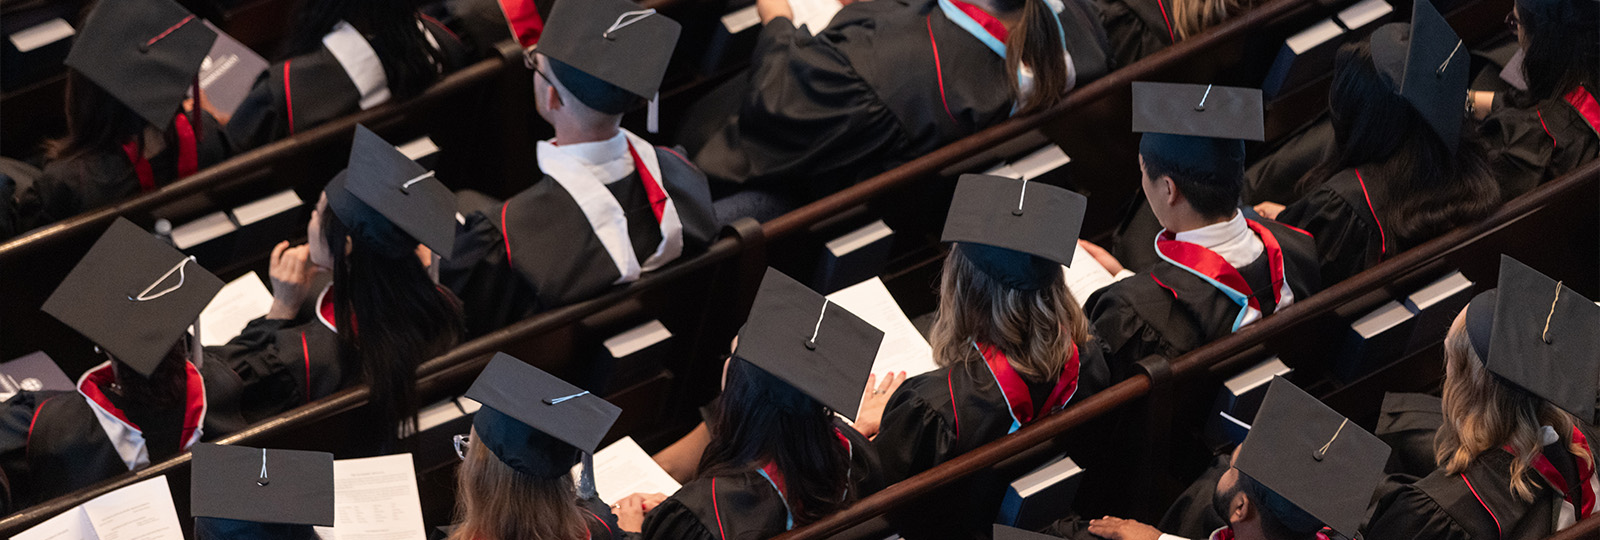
[[1482, 413], [1035, 329], [1191, 17], [496, 502]]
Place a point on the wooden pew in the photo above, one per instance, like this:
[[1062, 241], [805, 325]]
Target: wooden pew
[[1563, 207], [1586, 529]]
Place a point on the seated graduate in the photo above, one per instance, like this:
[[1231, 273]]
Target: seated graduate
[[241, 493], [1011, 341], [134, 296], [778, 457], [130, 127], [366, 230], [1217, 270], [1514, 455], [871, 91], [344, 56], [515, 480], [1549, 130], [1139, 28], [610, 206], [1404, 168], [1302, 467]]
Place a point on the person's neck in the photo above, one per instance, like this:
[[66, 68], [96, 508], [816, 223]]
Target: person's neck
[[577, 133], [1186, 220]]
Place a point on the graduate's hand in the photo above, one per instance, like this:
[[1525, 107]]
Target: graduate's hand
[[1481, 102], [292, 272], [874, 400], [1102, 256], [1115, 528], [772, 9], [630, 510], [1269, 209]]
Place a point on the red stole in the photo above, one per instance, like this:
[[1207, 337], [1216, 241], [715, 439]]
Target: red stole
[[1015, 388], [1586, 474], [1214, 269], [194, 398], [658, 196], [188, 156]]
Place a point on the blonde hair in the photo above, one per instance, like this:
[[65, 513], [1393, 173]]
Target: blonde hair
[[1482, 413], [496, 502], [1035, 329], [1191, 17]]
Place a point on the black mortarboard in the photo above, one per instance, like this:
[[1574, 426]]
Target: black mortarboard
[[133, 295], [1002, 532], [535, 422], [1426, 65], [1312, 457], [145, 53], [815, 345], [382, 189], [1017, 232], [613, 43], [1198, 129], [262, 485], [1539, 335]]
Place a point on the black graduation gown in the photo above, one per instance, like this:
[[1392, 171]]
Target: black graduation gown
[[937, 416], [309, 90], [572, 265], [865, 94], [84, 182], [1407, 423], [1531, 146], [281, 364], [1136, 28], [1169, 311], [601, 522], [67, 446], [1342, 219], [745, 506], [1477, 504]]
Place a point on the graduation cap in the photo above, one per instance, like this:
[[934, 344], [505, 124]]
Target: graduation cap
[[1002, 532], [1017, 232], [145, 53], [382, 189], [261, 485], [1540, 335], [133, 295], [1427, 66], [535, 422], [1197, 128], [1312, 457], [806, 340], [601, 46]]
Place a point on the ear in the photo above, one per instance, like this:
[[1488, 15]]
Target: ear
[[1240, 509], [1171, 195], [552, 98]]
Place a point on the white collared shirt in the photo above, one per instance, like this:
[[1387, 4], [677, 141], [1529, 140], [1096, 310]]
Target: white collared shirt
[[1231, 239], [605, 159]]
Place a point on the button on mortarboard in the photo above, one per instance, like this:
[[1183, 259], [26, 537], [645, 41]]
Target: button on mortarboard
[[145, 53], [133, 295], [1428, 64], [615, 41], [1017, 232], [1539, 335], [805, 340], [1198, 110], [226, 484], [1313, 457], [385, 181], [535, 422]]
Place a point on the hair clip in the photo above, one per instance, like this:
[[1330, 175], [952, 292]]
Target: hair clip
[[560, 400], [1546, 335], [1202, 105], [145, 296], [1020, 198], [1324, 450], [811, 344], [1440, 72], [624, 20], [145, 47]]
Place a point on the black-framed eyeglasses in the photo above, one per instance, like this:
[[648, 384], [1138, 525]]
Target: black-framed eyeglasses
[[1512, 21], [461, 441], [549, 82]]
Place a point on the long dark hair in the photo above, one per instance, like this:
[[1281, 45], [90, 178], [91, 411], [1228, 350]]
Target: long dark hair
[[761, 419], [1563, 48], [164, 388], [1424, 190], [390, 315], [1036, 41], [409, 62], [96, 121]]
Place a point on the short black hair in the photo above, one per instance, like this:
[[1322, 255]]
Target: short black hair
[[1280, 519], [1209, 172]]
